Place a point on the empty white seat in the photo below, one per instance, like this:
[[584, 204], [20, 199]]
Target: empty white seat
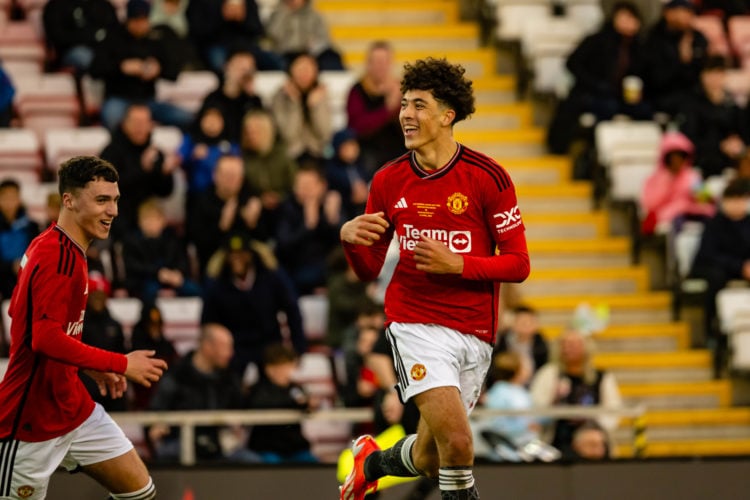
[[512, 18], [34, 197], [3, 367], [338, 84], [62, 144], [189, 90], [127, 311], [266, 83], [167, 138], [627, 180], [626, 137], [19, 150], [314, 311], [733, 309], [182, 321], [315, 374]]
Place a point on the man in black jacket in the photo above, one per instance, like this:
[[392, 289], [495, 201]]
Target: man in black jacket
[[130, 60]]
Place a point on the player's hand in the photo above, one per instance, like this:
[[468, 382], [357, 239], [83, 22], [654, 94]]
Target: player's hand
[[432, 256], [364, 229], [143, 368], [112, 384]]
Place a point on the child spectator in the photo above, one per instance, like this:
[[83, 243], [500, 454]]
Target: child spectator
[[277, 389], [525, 339], [671, 192], [17, 230], [155, 257], [590, 443], [346, 173]]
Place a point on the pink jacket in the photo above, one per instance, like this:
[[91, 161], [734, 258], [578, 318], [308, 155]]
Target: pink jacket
[[666, 195]]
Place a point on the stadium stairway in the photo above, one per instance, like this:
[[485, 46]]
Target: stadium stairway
[[575, 260]]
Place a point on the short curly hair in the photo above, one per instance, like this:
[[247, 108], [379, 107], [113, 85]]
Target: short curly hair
[[446, 81]]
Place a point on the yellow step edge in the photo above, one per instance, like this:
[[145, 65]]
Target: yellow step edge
[[502, 109], [376, 31], [540, 161], [650, 300], [680, 331], [528, 135], [638, 274], [615, 245], [694, 417], [494, 83], [570, 189], [461, 56], [698, 358], [720, 388], [715, 447], [598, 219]]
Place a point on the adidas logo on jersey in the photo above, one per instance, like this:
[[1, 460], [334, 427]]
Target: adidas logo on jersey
[[401, 203]]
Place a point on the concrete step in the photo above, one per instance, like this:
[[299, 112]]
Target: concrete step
[[553, 226], [493, 89], [581, 253], [691, 394], [404, 38], [585, 281], [644, 367], [478, 63], [548, 169], [645, 337], [505, 144], [548, 199], [499, 117], [624, 309], [388, 13]]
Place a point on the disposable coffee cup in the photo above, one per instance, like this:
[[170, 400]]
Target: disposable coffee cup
[[632, 88]]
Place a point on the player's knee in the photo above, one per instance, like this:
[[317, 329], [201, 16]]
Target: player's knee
[[457, 449], [148, 492]]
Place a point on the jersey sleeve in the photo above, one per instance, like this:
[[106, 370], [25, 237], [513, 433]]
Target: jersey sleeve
[[511, 260], [368, 261], [48, 309]]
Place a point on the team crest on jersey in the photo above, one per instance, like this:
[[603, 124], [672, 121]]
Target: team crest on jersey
[[418, 372], [25, 491], [458, 203]]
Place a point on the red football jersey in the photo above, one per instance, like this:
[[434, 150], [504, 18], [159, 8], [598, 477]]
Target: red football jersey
[[42, 396], [470, 205]]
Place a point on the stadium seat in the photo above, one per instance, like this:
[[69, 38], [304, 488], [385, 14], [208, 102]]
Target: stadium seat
[[19, 151], [3, 367], [167, 138], [21, 41], [314, 310], [189, 90], [46, 101], [34, 197], [266, 83], [6, 319], [628, 178], [92, 91], [624, 139], [338, 84], [182, 320], [61, 144], [712, 28], [733, 307], [545, 44], [587, 14], [127, 311], [739, 38]]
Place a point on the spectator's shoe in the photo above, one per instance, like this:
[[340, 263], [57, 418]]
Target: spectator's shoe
[[356, 485]]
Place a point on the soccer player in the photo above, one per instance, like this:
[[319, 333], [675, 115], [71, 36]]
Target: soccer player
[[460, 234], [47, 417]]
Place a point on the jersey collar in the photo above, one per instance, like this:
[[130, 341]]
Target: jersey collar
[[58, 228], [424, 174]]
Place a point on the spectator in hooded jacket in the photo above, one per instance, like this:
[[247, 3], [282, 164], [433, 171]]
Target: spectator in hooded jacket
[[74, 28], [675, 53], [130, 61], [673, 190], [345, 172], [144, 170], [17, 230]]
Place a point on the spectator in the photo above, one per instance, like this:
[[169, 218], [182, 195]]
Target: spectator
[[144, 170], [590, 443], [572, 379], [670, 193], [511, 373], [276, 389], [130, 61], [171, 28], [347, 297], [155, 257], [525, 339], [724, 251], [74, 28], [725, 8], [199, 381], [294, 27], [53, 207], [236, 94], [7, 92], [361, 336], [301, 109], [228, 206], [219, 26], [103, 331], [17, 230], [599, 65], [372, 109], [310, 219], [650, 10], [345, 172], [205, 142], [675, 53], [269, 169], [247, 297], [148, 334], [713, 121]]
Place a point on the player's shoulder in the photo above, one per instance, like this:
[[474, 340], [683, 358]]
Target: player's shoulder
[[486, 166], [53, 250], [394, 166]]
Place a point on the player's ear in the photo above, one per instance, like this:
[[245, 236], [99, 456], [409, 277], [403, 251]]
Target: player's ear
[[448, 116], [67, 200]]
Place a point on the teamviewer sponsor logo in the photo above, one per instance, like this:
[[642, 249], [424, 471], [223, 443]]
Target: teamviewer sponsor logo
[[507, 220], [456, 241]]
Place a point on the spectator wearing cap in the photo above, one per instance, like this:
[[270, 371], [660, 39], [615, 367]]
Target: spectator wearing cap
[[218, 27], [130, 61], [17, 230], [247, 296], [228, 206], [675, 53], [345, 172], [73, 29], [103, 331]]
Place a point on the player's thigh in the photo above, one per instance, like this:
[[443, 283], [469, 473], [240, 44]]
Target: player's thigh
[[444, 415], [121, 474], [25, 468]]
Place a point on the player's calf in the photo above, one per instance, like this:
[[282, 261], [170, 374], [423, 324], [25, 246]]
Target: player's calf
[[148, 492]]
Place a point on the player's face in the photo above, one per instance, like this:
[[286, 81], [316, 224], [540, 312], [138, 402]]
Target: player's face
[[94, 208], [423, 119]]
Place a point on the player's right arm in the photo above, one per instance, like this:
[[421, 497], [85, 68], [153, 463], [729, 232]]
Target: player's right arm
[[365, 239]]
